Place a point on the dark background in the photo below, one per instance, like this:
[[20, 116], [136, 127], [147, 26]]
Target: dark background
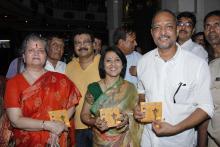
[[17, 20]]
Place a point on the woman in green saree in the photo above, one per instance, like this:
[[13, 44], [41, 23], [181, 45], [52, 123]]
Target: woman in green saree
[[112, 91]]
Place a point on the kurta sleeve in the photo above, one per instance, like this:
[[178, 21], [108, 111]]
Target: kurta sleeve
[[203, 93]]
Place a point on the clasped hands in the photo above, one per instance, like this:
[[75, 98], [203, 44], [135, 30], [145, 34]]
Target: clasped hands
[[161, 128], [101, 124], [55, 127]]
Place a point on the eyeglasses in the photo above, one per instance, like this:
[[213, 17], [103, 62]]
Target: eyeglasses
[[86, 43], [178, 88], [186, 24]]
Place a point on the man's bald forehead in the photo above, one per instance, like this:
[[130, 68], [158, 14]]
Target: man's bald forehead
[[164, 11]]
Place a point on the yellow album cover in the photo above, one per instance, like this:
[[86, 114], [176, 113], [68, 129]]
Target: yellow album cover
[[60, 115], [111, 116], [152, 110]]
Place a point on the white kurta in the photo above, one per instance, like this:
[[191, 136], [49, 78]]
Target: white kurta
[[159, 81], [60, 67], [195, 48], [132, 60]]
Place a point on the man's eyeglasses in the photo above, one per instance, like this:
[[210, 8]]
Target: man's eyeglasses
[[186, 24], [86, 43]]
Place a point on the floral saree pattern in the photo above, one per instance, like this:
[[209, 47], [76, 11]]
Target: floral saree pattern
[[52, 91], [124, 96]]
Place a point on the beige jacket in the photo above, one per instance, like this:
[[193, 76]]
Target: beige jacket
[[214, 124]]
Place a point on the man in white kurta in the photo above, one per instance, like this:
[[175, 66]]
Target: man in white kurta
[[55, 50], [60, 66], [161, 80], [195, 48], [186, 27], [125, 39], [132, 60], [178, 79]]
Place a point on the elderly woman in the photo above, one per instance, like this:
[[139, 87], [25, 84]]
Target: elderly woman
[[112, 91], [29, 97]]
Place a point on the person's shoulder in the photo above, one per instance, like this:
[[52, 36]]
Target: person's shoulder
[[192, 58], [148, 55], [72, 62], [15, 60], [215, 62], [129, 84], [199, 47], [94, 84], [137, 54], [16, 78], [97, 57], [62, 63], [190, 55], [196, 45]]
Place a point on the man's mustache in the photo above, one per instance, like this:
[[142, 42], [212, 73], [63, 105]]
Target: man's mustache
[[164, 37], [183, 31]]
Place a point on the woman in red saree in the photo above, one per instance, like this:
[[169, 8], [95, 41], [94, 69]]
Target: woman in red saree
[[32, 94]]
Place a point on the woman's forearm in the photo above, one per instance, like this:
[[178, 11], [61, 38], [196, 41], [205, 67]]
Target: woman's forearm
[[86, 115], [87, 119], [19, 121], [29, 124], [70, 112], [26, 123]]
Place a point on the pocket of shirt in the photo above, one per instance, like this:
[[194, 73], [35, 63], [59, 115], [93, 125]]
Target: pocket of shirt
[[182, 96], [215, 89], [215, 85]]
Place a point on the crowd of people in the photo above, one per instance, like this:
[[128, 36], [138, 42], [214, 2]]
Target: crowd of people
[[182, 73]]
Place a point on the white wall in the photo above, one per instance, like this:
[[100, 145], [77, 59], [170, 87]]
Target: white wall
[[204, 7], [187, 5], [170, 4], [200, 15], [211, 5]]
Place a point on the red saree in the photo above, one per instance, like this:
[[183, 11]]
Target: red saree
[[52, 91]]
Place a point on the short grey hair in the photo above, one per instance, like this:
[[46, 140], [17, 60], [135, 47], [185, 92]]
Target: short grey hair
[[33, 37]]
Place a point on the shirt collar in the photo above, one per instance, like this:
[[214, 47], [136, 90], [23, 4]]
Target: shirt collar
[[174, 58], [58, 63], [186, 44]]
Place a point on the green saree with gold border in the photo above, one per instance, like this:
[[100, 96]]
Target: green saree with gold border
[[123, 95]]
